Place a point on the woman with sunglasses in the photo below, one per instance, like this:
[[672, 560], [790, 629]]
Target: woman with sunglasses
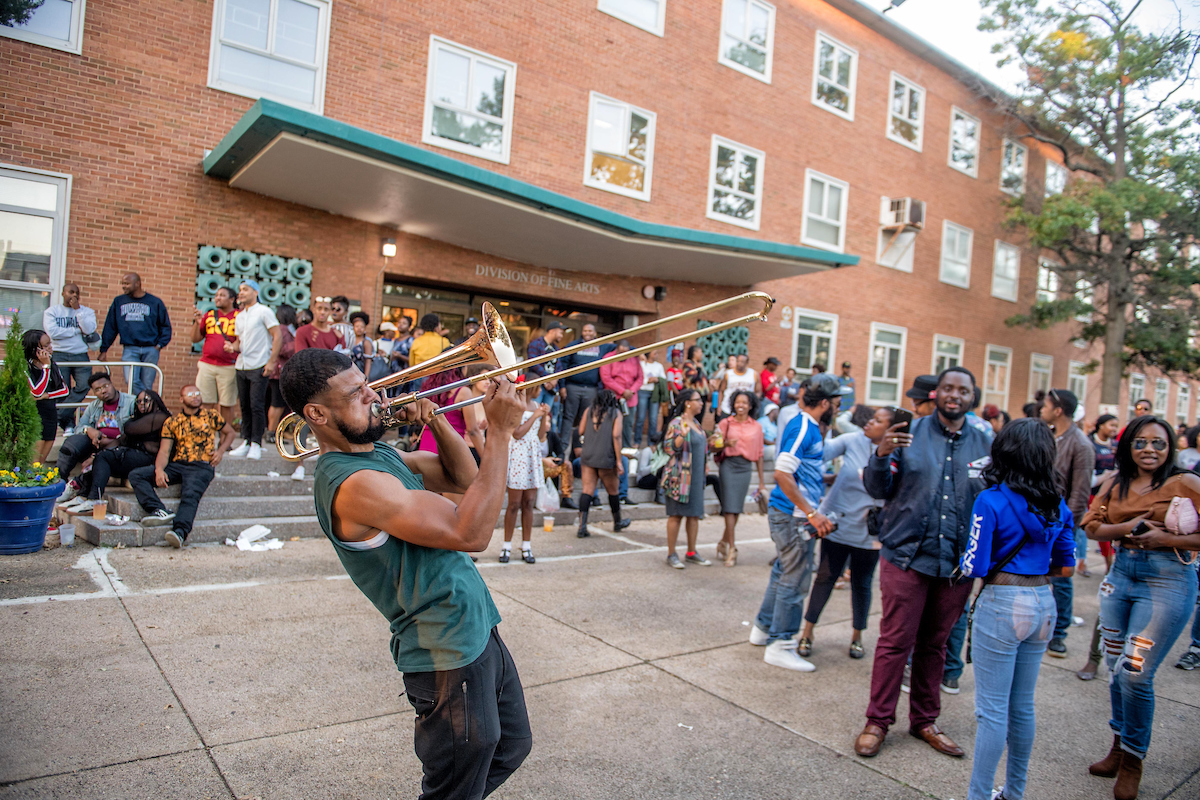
[[1148, 595]]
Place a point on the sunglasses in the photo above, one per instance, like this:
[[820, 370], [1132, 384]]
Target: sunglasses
[[1159, 445], [322, 299]]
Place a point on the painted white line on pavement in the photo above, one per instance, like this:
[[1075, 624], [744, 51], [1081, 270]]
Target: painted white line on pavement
[[110, 572]]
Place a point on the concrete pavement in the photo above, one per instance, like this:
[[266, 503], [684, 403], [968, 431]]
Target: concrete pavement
[[211, 672]]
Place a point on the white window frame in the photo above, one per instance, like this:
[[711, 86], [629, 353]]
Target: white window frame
[[1077, 379], [947, 227], [1004, 152], [72, 44], [898, 381], [798, 312], [62, 223], [1134, 396], [1016, 279], [909, 86], [955, 111], [1085, 292], [510, 79], [764, 76], [953, 340], [995, 348], [809, 176], [752, 224], [848, 114], [1034, 372], [1048, 283], [650, 116], [214, 57], [659, 25], [1183, 402], [1062, 175], [1162, 389]]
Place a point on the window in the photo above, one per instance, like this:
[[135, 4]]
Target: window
[[956, 255], [1006, 266], [1041, 370], [816, 339], [1047, 286], [906, 117], [1183, 404], [1085, 293], [1137, 390], [1012, 168], [996, 375], [33, 236], [735, 184], [834, 76], [468, 101], [825, 212], [1161, 389], [55, 23], [1077, 380], [887, 363], [964, 142], [947, 352], [1056, 178], [747, 36], [271, 48], [620, 148], [645, 14]]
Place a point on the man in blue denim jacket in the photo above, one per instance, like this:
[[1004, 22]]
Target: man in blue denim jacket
[[930, 477]]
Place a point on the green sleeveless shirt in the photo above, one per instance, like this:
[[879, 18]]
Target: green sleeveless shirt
[[440, 610]]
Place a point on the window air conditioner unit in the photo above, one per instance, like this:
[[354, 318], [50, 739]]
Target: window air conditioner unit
[[902, 212]]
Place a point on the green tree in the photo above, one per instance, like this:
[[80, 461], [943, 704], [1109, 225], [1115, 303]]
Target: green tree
[[17, 12], [1110, 99], [19, 423]]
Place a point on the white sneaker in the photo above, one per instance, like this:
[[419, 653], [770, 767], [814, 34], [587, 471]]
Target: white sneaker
[[240, 450], [174, 539], [69, 430], [1077, 621], [68, 494], [81, 507], [783, 654], [255, 452], [758, 637], [298, 474]]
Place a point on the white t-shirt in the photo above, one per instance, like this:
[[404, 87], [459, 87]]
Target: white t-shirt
[[253, 329], [734, 382], [652, 371]]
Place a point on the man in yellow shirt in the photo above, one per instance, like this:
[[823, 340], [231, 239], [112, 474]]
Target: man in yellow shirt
[[428, 344]]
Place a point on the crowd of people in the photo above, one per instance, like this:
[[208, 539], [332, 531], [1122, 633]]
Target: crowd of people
[[931, 498]]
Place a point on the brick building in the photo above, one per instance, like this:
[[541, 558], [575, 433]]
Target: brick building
[[592, 159]]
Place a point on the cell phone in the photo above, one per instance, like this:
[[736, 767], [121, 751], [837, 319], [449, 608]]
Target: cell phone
[[903, 417], [1140, 528]]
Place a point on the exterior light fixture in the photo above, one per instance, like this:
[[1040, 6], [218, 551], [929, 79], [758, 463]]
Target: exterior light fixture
[[389, 248]]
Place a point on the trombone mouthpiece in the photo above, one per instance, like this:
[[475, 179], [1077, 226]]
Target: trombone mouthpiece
[[376, 409]]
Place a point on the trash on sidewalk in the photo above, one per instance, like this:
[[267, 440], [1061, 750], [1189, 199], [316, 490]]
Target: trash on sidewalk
[[689, 727], [272, 474], [252, 539], [116, 519]]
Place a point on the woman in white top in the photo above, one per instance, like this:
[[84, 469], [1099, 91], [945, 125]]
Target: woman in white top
[[652, 373], [740, 378]]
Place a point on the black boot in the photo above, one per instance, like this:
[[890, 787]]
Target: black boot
[[614, 503], [585, 503]]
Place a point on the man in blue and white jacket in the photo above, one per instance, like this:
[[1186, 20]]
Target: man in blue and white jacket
[[799, 484], [141, 321]]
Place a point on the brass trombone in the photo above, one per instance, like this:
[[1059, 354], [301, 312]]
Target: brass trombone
[[491, 345]]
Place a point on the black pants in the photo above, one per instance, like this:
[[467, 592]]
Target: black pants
[[75, 449], [119, 461], [195, 477], [472, 729], [252, 388], [862, 570], [76, 377], [579, 397]]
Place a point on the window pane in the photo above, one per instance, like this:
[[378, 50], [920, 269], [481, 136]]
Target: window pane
[[914, 104], [643, 13], [832, 96], [883, 392], [955, 272], [25, 243], [488, 94], [450, 78], [898, 93], [725, 164], [607, 123], [296, 31], [823, 231], [804, 353], [735, 17], [904, 129], [843, 73], [893, 369], [28, 194], [760, 20], [267, 75], [747, 55], [732, 205], [826, 60], [815, 324], [52, 18], [889, 337], [29, 304], [833, 202], [638, 128], [816, 196], [246, 22], [618, 172], [748, 174], [964, 132], [878, 359], [468, 129]]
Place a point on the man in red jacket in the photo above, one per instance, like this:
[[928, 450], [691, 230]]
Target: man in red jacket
[[623, 378]]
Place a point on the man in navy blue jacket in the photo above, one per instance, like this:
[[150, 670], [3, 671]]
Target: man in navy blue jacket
[[141, 321], [930, 477]]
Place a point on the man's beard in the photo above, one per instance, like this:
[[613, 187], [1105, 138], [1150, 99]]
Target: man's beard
[[372, 433], [827, 417], [953, 416]]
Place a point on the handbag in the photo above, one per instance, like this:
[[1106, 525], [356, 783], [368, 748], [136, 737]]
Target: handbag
[[992, 573], [873, 515], [1182, 520], [722, 433]]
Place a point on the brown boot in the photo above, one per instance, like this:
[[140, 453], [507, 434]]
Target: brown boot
[[1128, 778], [1108, 767]]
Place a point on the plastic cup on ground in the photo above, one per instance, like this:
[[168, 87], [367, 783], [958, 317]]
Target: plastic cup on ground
[[548, 523]]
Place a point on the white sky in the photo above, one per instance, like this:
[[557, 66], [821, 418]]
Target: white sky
[[951, 26]]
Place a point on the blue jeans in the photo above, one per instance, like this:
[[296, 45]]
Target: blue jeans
[[1009, 634], [783, 604], [645, 410], [1081, 544], [77, 379], [142, 378], [623, 481], [954, 645], [1145, 603], [1064, 600]]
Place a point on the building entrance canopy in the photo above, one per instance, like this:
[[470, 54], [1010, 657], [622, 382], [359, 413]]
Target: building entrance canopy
[[304, 158]]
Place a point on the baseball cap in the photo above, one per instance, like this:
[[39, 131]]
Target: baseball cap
[[470, 320], [772, 360], [388, 326], [826, 385], [923, 388], [253, 284], [1065, 400], [845, 363], [556, 325]]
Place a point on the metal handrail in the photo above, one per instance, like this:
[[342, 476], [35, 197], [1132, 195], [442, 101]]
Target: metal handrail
[[106, 364]]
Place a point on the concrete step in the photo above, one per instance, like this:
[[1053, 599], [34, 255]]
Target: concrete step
[[216, 507], [131, 534]]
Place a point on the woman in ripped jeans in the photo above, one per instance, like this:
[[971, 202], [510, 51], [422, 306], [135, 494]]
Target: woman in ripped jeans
[[1147, 597]]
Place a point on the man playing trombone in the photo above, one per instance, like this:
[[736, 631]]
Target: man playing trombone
[[405, 547]]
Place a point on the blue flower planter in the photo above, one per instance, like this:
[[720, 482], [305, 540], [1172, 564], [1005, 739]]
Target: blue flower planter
[[25, 513]]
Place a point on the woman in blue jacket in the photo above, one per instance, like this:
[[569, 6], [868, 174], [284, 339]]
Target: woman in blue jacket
[[1021, 533]]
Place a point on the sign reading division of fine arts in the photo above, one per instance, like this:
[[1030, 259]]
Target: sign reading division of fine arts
[[534, 279]]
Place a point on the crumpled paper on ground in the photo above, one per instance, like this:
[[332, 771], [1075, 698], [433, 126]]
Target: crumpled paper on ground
[[116, 519], [253, 539]]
